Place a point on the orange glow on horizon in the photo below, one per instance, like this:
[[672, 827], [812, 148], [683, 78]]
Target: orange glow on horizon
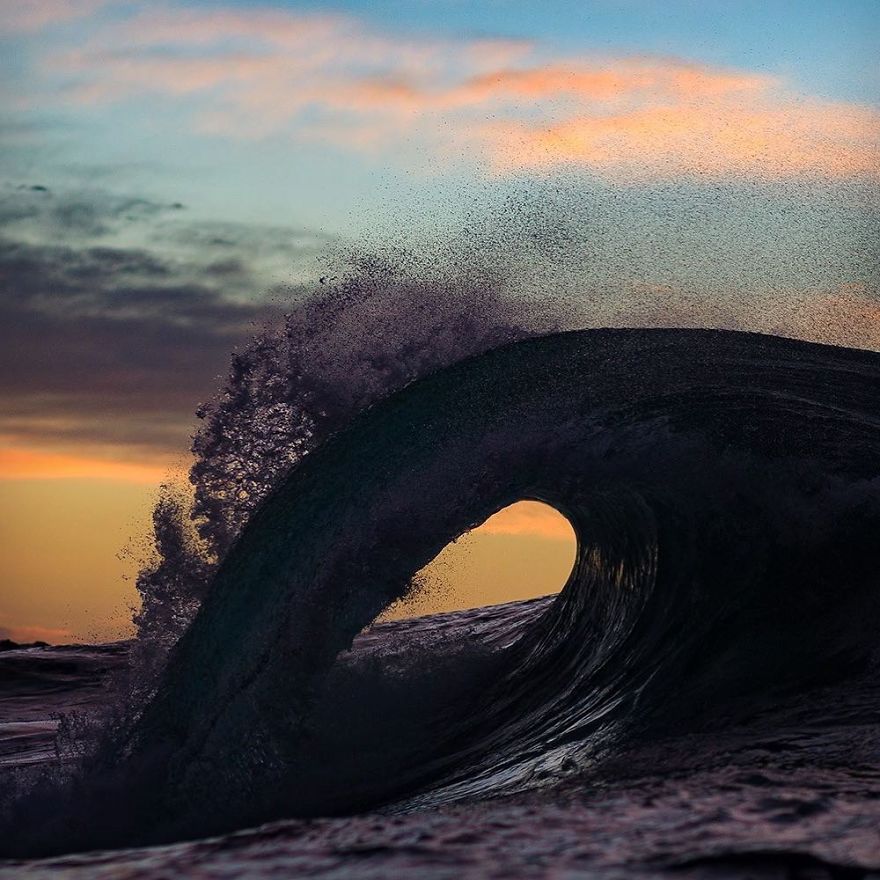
[[18, 463], [531, 518], [26, 634], [522, 552]]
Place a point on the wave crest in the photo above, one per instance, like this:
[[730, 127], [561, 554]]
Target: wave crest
[[723, 489]]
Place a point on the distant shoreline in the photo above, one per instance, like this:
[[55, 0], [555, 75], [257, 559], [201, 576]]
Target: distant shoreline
[[9, 645]]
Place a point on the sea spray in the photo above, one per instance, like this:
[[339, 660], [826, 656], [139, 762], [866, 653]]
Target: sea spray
[[372, 329]]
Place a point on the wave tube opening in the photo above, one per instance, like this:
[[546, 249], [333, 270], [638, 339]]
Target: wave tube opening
[[524, 551]]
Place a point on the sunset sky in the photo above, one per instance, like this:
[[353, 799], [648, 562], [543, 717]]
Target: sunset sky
[[173, 173]]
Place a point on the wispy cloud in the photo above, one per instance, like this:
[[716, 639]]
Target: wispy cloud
[[766, 135], [28, 16], [512, 105], [95, 214]]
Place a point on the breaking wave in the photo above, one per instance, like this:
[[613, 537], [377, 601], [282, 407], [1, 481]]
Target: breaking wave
[[724, 491]]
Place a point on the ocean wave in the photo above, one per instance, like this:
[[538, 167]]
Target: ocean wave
[[723, 489]]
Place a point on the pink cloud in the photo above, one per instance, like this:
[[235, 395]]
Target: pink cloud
[[27, 633], [28, 16], [770, 137], [847, 313], [498, 102]]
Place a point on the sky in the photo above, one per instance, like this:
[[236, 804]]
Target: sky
[[172, 173]]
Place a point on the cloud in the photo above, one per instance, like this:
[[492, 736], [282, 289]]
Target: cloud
[[24, 634], [766, 136], [86, 214], [512, 105], [106, 348], [91, 219], [846, 313], [76, 362], [87, 361], [28, 16]]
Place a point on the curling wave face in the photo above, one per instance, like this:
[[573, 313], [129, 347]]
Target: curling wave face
[[724, 491]]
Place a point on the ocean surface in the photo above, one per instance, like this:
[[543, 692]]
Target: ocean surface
[[793, 792], [701, 699]]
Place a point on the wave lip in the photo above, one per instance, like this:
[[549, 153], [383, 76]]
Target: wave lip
[[724, 491]]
